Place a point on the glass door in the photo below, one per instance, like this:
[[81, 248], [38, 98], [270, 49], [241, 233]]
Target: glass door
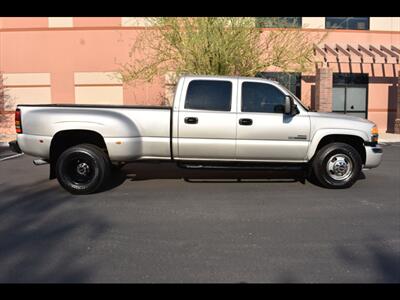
[[356, 101], [349, 94]]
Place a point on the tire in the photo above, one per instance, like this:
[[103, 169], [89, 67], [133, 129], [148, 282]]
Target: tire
[[336, 166], [83, 169]]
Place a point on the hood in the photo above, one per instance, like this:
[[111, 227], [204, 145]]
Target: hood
[[335, 121], [339, 117]]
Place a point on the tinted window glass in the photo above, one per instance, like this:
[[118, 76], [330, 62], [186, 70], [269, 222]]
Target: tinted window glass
[[278, 22], [361, 23], [262, 97], [350, 78], [209, 95]]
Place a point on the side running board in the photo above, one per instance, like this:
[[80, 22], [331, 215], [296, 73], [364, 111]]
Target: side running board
[[243, 166]]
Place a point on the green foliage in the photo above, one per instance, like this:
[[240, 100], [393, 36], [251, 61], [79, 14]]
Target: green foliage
[[3, 97], [215, 46]]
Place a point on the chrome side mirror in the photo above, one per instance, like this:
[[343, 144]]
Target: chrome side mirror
[[288, 105]]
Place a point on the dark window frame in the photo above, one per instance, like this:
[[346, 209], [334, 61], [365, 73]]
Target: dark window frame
[[346, 24], [228, 109], [260, 83]]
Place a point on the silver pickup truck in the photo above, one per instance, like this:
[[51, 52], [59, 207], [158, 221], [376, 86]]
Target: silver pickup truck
[[215, 122]]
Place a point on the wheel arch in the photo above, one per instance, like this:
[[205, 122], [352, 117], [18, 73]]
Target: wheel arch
[[353, 138], [65, 139]]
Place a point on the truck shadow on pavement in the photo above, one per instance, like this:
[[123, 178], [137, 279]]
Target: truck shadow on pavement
[[383, 263], [39, 233], [167, 170], [367, 261]]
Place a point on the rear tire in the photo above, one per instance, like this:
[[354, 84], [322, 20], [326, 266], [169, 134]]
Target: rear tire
[[336, 166], [83, 169]]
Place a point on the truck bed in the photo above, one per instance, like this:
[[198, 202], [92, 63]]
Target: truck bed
[[130, 132], [99, 106]]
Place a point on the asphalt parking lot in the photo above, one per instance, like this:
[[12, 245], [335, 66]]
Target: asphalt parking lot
[[154, 226]]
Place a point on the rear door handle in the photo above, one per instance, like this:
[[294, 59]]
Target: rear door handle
[[245, 122], [191, 120]]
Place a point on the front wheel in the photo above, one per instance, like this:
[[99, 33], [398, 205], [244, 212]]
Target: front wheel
[[337, 165], [82, 169]]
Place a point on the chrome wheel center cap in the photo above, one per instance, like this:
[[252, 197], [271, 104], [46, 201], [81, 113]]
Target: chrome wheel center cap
[[83, 169], [339, 167]]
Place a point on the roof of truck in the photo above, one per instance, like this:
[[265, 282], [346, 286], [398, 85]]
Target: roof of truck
[[228, 77]]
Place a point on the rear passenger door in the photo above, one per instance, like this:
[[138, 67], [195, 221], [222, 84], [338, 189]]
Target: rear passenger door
[[207, 119]]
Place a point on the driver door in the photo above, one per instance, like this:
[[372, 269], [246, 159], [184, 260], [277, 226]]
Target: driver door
[[264, 132]]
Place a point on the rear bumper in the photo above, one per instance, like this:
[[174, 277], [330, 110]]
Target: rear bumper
[[373, 156], [15, 147]]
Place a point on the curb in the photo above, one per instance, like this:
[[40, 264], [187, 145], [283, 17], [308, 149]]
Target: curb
[[11, 157], [387, 142]]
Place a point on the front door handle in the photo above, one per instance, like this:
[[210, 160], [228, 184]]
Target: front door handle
[[245, 122], [191, 120]]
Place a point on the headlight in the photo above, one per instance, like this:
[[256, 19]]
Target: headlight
[[374, 134]]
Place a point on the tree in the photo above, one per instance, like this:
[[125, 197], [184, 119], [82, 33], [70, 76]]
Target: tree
[[217, 46], [3, 97]]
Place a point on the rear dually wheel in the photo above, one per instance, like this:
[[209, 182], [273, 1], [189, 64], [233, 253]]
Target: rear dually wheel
[[83, 169]]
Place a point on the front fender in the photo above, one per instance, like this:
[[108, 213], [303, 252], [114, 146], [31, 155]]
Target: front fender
[[321, 133]]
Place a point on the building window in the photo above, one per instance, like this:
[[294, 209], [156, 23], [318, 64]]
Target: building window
[[357, 23], [292, 80], [278, 22]]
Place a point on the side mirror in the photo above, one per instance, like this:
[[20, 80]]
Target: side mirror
[[290, 107]]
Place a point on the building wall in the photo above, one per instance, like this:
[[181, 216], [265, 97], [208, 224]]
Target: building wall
[[375, 23], [384, 23], [313, 22], [77, 59], [96, 46], [382, 76]]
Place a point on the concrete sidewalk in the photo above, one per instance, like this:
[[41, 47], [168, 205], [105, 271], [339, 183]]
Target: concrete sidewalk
[[6, 153], [5, 138], [389, 138]]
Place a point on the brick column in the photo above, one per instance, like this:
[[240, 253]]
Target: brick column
[[323, 89], [397, 121]]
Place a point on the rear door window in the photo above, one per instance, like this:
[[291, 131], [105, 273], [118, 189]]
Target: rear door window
[[209, 95]]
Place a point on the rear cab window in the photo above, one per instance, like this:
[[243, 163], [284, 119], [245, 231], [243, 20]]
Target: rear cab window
[[214, 95]]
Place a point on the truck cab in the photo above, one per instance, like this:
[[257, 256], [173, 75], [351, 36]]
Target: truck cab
[[238, 118]]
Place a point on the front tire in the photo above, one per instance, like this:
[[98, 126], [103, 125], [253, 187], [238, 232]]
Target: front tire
[[83, 169], [337, 166]]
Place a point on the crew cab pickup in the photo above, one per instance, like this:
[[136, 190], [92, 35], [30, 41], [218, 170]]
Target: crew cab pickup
[[215, 121]]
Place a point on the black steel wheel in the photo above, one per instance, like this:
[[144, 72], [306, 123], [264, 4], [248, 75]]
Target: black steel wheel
[[83, 169]]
